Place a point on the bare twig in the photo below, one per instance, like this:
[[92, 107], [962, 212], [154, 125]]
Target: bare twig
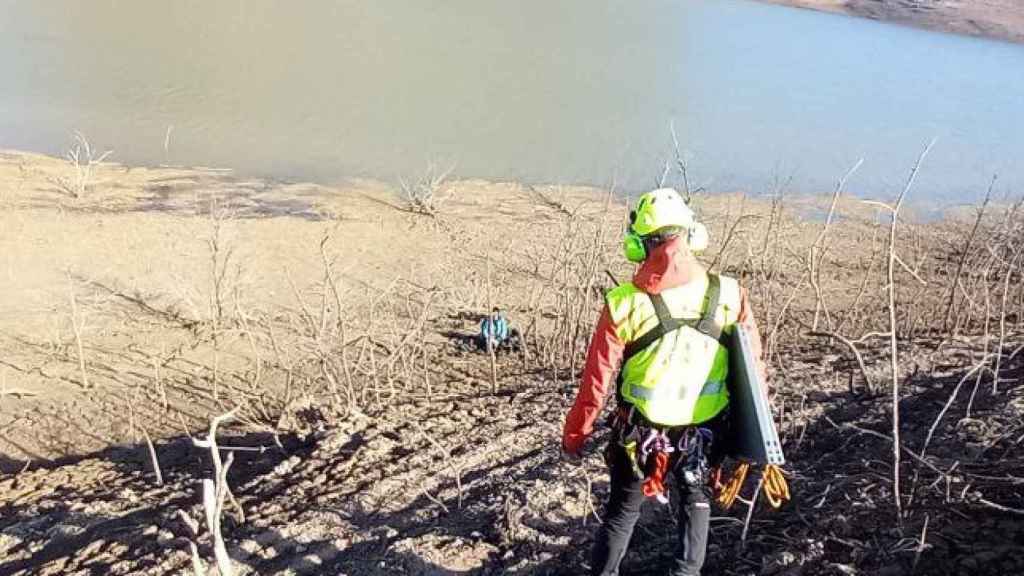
[[680, 161], [1000, 507], [949, 402], [77, 325], [750, 510], [80, 157], [920, 544], [153, 458], [966, 250], [1002, 320], [423, 195], [887, 438], [490, 332], [819, 248], [856, 354], [892, 327], [215, 492]]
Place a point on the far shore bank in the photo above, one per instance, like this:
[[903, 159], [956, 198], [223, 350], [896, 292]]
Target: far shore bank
[[993, 19]]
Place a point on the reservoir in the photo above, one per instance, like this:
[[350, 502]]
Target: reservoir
[[573, 91]]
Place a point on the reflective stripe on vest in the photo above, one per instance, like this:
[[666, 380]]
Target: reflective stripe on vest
[[711, 388], [680, 379]]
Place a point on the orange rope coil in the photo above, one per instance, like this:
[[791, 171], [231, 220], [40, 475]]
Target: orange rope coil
[[774, 486]]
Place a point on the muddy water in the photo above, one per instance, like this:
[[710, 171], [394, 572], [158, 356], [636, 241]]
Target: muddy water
[[570, 91]]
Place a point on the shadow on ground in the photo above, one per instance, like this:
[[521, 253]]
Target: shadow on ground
[[371, 495]]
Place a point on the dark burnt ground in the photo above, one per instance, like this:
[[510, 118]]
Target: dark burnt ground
[[379, 493]]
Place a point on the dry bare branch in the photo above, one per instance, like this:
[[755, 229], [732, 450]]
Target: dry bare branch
[[892, 327], [80, 157]]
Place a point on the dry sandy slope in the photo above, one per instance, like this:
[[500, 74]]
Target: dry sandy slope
[[136, 253], [373, 493], [998, 19]]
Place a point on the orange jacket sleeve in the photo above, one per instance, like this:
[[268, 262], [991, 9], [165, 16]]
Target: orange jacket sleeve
[[603, 361]]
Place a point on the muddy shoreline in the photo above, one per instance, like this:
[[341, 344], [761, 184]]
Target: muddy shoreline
[[992, 19]]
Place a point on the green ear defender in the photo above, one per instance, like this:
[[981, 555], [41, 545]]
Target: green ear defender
[[632, 244], [633, 247]]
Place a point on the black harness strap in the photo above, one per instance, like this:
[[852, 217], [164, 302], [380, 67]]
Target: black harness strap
[[667, 323], [664, 316], [707, 324]]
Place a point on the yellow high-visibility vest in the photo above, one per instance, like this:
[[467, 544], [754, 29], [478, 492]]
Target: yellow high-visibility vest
[[680, 379]]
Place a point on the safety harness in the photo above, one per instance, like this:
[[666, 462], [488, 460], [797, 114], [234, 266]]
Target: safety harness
[[667, 323], [648, 446], [650, 449]]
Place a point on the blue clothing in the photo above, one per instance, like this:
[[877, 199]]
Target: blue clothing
[[494, 329]]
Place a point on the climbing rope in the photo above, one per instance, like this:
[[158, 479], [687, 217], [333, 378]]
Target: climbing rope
[[774, 486], [776, 490], [731, 490]]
